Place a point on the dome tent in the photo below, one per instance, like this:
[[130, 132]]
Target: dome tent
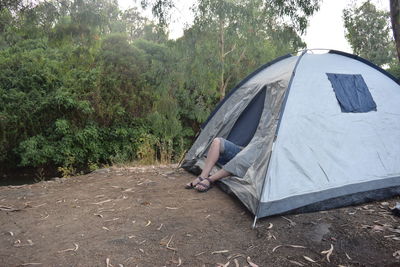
[[320, 131]]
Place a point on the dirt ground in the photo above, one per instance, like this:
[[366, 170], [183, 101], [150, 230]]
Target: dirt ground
[[142, 216]]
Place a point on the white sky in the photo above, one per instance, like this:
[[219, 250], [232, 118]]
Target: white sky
[[325, 28]]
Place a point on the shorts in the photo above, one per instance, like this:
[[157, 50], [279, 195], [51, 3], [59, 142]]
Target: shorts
[[227, 151]]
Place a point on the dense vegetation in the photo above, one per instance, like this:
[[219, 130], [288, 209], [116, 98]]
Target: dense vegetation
[[84, 83]]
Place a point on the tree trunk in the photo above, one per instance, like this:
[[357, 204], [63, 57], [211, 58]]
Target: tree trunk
[[395, 17], [222, 59]]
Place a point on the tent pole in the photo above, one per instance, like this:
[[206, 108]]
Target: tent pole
[[254, 223]]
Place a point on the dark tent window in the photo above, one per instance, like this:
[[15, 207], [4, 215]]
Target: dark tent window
[[352, 92], [246, 125]]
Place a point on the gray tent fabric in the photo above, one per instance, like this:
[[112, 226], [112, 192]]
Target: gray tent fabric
[[306, 154]]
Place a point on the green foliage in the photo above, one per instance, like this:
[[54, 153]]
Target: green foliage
[[394, 69], [83, 84], [368, 32]]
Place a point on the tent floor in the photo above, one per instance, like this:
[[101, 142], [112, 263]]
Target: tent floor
[[143, 216]]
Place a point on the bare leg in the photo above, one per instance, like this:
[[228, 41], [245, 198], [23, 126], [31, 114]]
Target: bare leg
[[221, 173], [212, 158]]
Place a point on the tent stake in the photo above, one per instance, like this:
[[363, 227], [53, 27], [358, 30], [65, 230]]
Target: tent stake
[[254, 223]]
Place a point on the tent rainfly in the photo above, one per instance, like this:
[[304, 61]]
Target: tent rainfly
[[320, 131]]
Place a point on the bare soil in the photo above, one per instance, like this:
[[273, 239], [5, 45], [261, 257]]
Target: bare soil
[[143, 216]]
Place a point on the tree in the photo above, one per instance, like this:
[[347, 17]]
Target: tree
[[368, 32], [298, 11], [395, 18]]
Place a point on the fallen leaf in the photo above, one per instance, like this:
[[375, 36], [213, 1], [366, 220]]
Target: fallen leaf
[[309, 259], [220, 251], [163, 241], [17, 243], [292, 223], [275, 248], [328, 253], [270, 226], [396, 254], [179, 262], [171, 208], [101, 202], [112, 220], [159, 228], [252, 264], [236, 263], [377, 228], [347, 255], [148, 223], [394, 230], [70, 249], [292, 246], [168, 247], [236, 256], [296, 263], [31, 263], [5, 208]]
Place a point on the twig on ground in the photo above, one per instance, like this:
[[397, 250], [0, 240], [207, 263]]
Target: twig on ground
[[70, 249]]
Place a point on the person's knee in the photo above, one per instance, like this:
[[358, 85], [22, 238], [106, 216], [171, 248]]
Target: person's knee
[[216, 142]]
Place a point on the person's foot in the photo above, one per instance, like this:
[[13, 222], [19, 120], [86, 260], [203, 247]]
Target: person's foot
[[204, 185], [194, 183]]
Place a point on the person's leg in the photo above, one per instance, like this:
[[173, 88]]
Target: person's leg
[[206, 183], [212, 158]]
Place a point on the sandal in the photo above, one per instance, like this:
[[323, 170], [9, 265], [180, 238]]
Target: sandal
[[191, 185], [204, 187]]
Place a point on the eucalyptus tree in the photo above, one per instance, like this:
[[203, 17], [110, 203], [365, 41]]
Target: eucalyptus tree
[[368, 32], [395, 18]]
